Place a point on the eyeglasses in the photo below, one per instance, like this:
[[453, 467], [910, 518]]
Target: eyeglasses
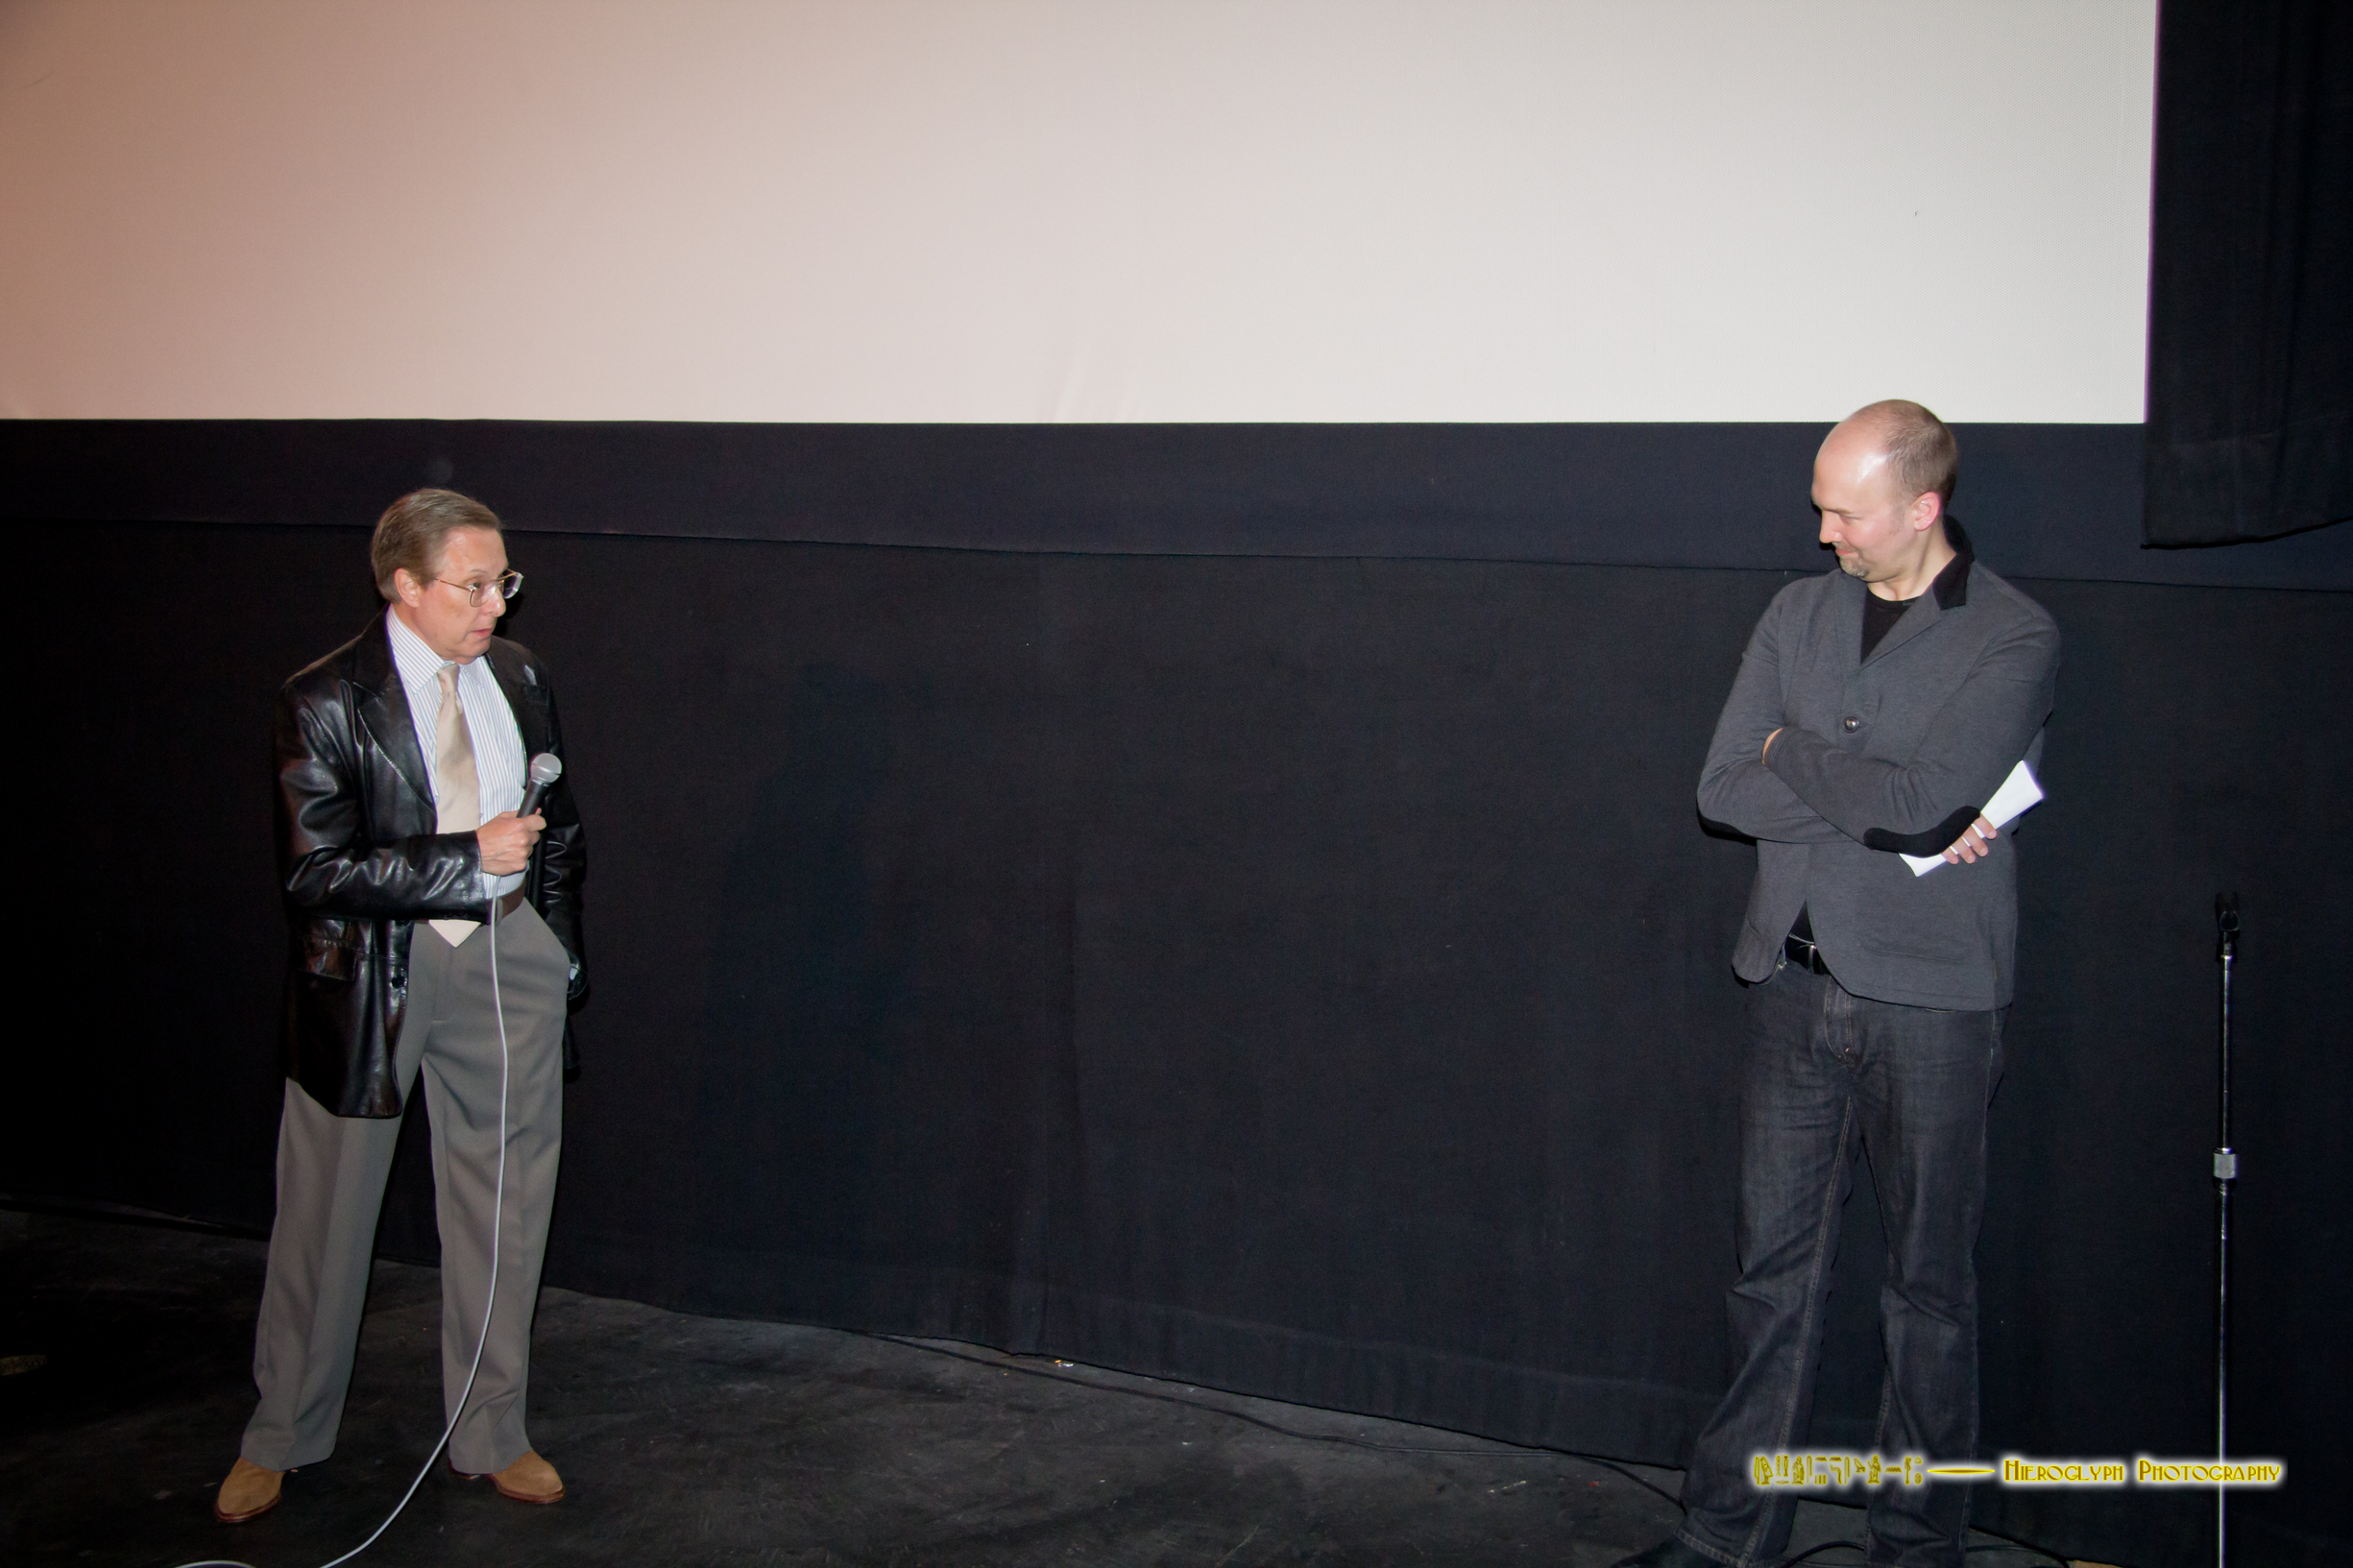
[[506, 588]]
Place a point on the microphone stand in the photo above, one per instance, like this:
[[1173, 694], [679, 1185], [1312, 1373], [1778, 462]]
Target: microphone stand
[[2225, 1172]]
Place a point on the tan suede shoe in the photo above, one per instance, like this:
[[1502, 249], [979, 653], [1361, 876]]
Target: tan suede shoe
[[529, 1480], [249, 1492]]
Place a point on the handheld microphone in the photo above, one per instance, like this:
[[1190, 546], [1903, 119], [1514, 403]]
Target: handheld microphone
[[546, 769]]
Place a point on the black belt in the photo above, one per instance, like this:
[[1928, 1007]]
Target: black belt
[[1804, 955]]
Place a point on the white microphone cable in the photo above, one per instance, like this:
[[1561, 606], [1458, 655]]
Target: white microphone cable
[[496, 1215]]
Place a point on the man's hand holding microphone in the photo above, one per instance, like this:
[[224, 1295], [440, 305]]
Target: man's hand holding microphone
[[507, 842], [508, 838]]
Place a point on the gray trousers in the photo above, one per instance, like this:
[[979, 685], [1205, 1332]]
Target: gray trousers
[[331, 1189]]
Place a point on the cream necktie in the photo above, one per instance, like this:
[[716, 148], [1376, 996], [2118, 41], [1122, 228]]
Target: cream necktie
[[457, 789]]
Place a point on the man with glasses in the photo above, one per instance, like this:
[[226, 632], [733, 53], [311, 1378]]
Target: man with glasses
[[401, 767]]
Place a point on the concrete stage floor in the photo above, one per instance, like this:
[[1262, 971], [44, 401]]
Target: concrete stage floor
[[127, 1349]]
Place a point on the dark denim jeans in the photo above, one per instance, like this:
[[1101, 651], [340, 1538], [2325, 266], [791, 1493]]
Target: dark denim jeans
[[1826, 1073]]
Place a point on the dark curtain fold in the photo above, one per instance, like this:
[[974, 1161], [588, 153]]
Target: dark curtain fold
[[2250, 372]]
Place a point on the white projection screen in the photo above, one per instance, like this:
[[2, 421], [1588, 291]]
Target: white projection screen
[[1074, 210]]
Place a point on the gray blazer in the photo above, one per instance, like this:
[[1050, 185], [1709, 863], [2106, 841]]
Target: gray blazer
[[1896, 753]]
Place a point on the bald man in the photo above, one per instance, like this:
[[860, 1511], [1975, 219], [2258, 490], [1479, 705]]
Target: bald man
[[1877, 709]]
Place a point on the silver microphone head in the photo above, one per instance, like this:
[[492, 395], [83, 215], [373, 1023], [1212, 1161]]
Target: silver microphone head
[[546, 768]]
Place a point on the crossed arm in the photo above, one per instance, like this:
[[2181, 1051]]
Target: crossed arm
[[1974, 841], [1772, 780]]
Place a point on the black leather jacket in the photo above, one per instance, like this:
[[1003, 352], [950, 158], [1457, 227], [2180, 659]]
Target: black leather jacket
[[360, 862]]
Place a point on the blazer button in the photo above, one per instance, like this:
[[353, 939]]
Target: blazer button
[[1851, 723]]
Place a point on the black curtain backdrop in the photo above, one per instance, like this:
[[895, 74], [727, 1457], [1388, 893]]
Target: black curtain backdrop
[[2250, 363], [2046, 501], [1299, 975]]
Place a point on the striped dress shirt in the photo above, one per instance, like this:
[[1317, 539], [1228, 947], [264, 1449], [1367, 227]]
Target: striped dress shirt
[[498, 744]]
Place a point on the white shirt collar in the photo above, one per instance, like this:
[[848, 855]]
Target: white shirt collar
[[411, 652]]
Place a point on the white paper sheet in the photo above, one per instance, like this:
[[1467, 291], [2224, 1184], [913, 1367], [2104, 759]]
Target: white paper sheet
[[2017, 792]]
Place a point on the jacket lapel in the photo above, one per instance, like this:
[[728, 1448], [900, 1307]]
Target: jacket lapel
[[525, 698], [1950, 591], [1846, 632], [384, 708], [1922, 616]]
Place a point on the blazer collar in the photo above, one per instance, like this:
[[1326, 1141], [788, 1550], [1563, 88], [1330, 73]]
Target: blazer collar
[[384, 708], [1951, 585], [526, 696], [1950, 591]]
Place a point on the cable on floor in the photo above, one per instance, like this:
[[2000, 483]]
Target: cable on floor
[[1503, 1451]]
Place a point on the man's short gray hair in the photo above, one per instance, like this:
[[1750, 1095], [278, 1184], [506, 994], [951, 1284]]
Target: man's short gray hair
[[410, 534], [1919, 446]]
